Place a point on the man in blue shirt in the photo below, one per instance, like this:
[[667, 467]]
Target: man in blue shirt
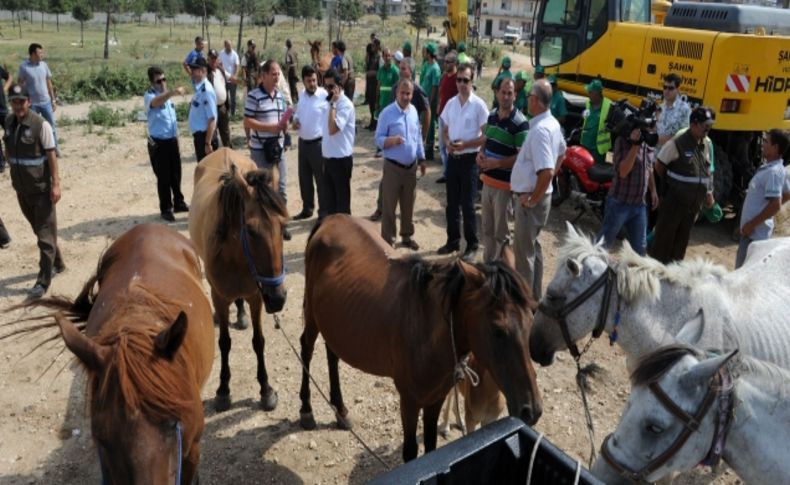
[[35, 76], [193, 55], [163, 143], [203, 111], [399, 135]]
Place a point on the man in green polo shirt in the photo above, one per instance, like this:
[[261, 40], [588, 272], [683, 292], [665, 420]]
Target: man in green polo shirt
[[594, 137], [521, 91], [387, 76], [558, 107], [430, 76]]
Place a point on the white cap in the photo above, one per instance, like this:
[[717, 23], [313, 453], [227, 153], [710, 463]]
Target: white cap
[[398, 56]]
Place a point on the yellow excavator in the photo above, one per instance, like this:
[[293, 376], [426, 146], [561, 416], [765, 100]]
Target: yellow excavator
[[733, 58], [457, 22]]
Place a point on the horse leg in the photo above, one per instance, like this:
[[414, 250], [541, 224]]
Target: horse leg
[[408, 418], [268, 395], [335, 395], [222, 398], [189, 465], [242, 320], [444, 426], [430, 417], [309, 335]]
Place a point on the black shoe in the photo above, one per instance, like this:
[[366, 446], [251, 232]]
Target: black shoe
[[376, 216], [305, 214], [441, 180], [447, 249], [181, 207], [168, 216], [286, 235], [410, 244], [58, 268], [470, 253], [37, 291]]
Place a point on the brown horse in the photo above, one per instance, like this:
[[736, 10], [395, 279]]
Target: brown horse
[[483, 403], [236, 221], [148, 347], [321, 63], [413, 321]]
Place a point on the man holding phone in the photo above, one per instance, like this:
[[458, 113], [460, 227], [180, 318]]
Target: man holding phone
[[337, 145]]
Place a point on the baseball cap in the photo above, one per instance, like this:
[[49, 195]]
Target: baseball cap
[[431, 48], [539, 69], [506, 61], [462, 47], [702, 114], [521, 76], [213, 53], [406, 46], [595, 85], [398, 56], [199, 61], [17, 92], [250, 43]]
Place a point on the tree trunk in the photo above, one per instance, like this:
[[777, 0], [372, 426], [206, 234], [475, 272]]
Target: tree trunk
[[57, 21], [19, 23], [42, 20], [241, 28], [107, 33], [172, 21], [82, 34], [265, 33], [417, 47]]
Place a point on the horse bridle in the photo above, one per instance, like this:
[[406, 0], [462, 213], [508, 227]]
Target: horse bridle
[[179, 453], [720, 386], [276, 280], [607, 280]]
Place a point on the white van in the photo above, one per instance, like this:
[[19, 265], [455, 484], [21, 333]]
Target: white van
[[512, 35]]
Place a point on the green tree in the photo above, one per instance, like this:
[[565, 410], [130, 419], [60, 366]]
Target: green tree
[[384, 10], [58, 7], [137, 9], [205, 9], [82, 12], [14, 6], [170, 9], [291, 8], [156, 7], [418, 18], [108, 7]]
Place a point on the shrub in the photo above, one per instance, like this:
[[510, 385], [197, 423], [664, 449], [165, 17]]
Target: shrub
[[106, 84], [182, 111], [105, 116]]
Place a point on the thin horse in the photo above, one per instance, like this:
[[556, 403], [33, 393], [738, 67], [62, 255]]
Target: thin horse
[[148, 347], [413, 321], [236, 223]]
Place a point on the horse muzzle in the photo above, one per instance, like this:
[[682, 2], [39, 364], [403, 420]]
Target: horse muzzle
[[539, 350], [274, 298]]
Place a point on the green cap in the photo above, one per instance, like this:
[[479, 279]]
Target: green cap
[[595, 85], [553, 78], [539, 69], [521, 76], [713, 213], [406, 46], [506, 62], [462, 46], [431, 48]]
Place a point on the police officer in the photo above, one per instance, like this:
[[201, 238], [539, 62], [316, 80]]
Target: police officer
[[30, 145], [203, 110], [684, 164], [163, 143]]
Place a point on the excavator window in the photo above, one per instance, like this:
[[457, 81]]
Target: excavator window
[[597, 21], [635, 11], [562, 12], [557, 48]]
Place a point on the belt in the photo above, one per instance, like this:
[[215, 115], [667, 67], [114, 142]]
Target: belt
[[400, 165], [688, 180], [314, 140], [462, 155], [27, 162], [162, 140]]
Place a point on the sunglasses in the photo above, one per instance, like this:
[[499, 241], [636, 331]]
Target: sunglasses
[[669, 88], [463, 80], [160, 80]]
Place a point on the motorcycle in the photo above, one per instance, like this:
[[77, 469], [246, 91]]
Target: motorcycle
[[583, 181]]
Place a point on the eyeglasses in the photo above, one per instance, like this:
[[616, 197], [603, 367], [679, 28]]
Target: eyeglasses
[[160, 80], [463, 80], [669, 88]]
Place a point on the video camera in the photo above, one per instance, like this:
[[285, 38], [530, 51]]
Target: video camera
[[623, 118]]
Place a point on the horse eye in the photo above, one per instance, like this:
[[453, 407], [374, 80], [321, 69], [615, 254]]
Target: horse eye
[[654, 428]]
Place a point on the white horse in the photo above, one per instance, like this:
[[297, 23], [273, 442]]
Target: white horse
[[747, 309], [686, 410]]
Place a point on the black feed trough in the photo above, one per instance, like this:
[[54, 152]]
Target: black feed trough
[[497, 454]]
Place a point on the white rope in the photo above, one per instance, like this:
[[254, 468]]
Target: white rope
[[532, 458], [578, 472]]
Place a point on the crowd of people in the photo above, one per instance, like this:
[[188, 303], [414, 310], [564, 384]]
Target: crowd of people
[[510, 151]]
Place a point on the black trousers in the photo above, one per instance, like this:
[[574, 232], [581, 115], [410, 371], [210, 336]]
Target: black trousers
[[39, 211], [336, 186], [166, 162], [199, 139], [461, 192], [5, 238], [311, 166], [676, 215]]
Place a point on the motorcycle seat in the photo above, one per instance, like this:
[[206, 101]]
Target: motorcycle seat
[[601, 172]]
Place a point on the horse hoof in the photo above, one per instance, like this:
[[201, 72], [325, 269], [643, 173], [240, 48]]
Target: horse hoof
[[221, 402], [242, 322], [344, 423], [445, 433], [269, 400], [307, 421]]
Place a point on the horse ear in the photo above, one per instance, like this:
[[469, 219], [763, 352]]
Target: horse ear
[[507, 256], [573, 267], [692, 330], [700, 374], [170, 339], [92, 355], [571, 230], [471, 273]]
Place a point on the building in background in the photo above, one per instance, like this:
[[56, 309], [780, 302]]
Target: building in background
[[497, 15]]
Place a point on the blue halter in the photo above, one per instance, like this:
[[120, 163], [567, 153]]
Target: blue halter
[[179, 448], [260, 280]]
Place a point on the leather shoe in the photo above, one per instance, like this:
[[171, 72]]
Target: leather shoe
[[58, 268], [447, 249], [376, 216], [168, 216], [182, 207], [37, 291], [441, 180], [410, 244], [303, 215], [470, 253], [286, 235]]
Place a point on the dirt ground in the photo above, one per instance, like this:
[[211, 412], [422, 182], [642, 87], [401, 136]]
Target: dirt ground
[[108, 187]]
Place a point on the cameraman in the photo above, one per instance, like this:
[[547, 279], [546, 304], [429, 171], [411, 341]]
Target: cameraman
[[625, 204]]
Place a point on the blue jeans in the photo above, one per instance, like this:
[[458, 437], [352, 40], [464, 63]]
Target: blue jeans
[[631, 216], [260, 161], [46, 111]]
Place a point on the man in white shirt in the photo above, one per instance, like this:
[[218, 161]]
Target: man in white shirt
[[464, 119], [216, 74], [307, 120], [230, 63], [337, 146], [530, 182]]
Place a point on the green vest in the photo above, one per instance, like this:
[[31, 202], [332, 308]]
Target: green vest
[[603, 140], [23, 141]]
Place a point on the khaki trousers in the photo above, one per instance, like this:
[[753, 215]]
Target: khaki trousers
[[398, 186], [493, 216], [529, 255], [39, 211]]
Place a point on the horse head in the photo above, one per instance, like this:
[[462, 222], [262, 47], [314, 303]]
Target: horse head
[[142, 420], [669, 420], [582, 264], [494, 306], [253, 208]]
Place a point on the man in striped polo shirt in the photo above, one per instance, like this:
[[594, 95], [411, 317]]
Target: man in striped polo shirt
[[505, 132], [263, 112]]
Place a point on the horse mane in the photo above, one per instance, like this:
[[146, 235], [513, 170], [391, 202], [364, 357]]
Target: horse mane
[[231, 197], [654, 365], [641, 276]]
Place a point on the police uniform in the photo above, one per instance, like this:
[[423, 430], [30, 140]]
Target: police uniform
[[27, 141], [164, 153], [201, 111]]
